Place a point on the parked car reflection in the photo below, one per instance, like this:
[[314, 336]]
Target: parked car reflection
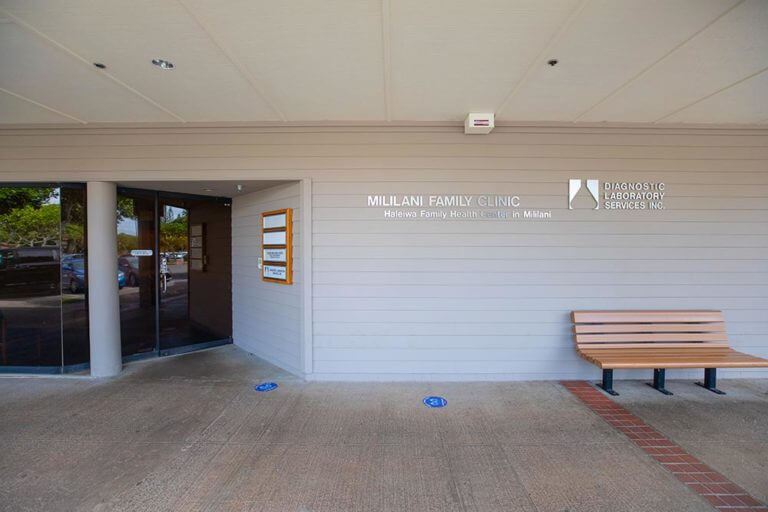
[[73, 276], [29, 269], [129, 265]]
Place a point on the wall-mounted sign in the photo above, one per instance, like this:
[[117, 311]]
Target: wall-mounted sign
[[582, 193], [455, 207], [277, 246], [620, 195], [275, 272], [274, 237], [197, 250], [280, 255], [274, 221], [141, 252]]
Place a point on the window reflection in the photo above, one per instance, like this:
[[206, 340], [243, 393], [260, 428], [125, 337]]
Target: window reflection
[[74, 305], [30, 291]]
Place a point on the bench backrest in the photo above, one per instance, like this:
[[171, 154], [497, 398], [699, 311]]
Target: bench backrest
[[637, 330]]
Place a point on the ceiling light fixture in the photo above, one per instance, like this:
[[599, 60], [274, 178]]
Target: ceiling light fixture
[[163, 64], [207, 190], [239, 187]]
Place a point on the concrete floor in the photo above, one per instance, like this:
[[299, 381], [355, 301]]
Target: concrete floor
[[728, 433], [190, 434]]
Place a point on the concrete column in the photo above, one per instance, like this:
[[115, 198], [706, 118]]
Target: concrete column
[[103, 300]]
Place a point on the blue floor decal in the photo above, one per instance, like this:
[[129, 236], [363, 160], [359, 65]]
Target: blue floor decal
[[435, 401], [266, 386]]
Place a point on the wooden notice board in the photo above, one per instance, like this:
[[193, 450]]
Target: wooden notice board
[[276, 246]]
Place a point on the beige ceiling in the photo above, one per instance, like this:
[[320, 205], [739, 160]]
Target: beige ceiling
[[635, 61]]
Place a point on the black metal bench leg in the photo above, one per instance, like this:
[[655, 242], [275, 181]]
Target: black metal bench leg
[[659, 378], [607, 383], [710, 381]]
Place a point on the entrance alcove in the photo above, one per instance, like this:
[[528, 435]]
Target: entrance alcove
[[214, 293]]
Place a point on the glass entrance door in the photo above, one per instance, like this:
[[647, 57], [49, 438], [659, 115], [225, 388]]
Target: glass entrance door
[[195, 272], [175, 297], [175, 329], [136, 262]]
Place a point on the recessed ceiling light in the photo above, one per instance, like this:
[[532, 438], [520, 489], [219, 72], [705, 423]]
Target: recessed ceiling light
[[100, 65], [207, 190], [163, 64]]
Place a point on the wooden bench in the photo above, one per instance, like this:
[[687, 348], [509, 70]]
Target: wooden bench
[[658, 340]]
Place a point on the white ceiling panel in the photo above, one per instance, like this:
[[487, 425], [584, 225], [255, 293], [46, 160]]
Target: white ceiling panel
[[746, 102], [731, 49], [127, 35], [450, 57], [42, 72], [603, 48], [319, 60], [16, 110], [379, 61]]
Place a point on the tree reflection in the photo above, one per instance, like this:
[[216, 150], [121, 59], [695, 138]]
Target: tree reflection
[[29, 217]]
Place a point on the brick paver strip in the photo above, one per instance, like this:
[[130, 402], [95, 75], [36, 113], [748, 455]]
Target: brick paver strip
[[720, 492]]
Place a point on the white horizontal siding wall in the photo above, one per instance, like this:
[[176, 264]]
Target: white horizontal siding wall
[[469, 299], [266, 317], [482, 299]]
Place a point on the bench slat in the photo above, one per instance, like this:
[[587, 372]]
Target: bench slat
[[649, 316], [722, 358], [648, 328], [613, 356], [653, 347], [729, 359], [651, 338]]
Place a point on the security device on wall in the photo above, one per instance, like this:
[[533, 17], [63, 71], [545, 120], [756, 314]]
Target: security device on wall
[[276, 239]]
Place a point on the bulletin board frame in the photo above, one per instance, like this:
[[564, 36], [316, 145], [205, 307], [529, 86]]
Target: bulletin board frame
[[273, 219]]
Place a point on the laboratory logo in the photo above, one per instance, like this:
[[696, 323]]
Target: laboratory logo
[[574, 186]]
